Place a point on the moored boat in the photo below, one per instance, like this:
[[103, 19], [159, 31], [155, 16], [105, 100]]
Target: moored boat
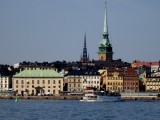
[[89, 96]]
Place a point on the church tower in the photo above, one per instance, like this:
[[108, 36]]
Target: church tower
[[105, 52], [84, 57]]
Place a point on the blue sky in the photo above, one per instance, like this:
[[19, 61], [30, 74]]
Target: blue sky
[[50, 30]]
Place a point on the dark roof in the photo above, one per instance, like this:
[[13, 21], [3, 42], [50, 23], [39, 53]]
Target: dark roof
[[112, 64], [83, 72]]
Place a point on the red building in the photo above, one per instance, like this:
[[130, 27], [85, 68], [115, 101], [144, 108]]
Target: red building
[[137, 63], [131, 80]]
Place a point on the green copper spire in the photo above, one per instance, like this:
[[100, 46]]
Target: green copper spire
[[105, 40], [105, 30], [105, 47]]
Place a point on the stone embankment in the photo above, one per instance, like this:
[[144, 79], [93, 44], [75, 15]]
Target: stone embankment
[[66, 97], [140, 96]]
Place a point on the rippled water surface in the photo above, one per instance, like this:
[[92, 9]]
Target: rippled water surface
[[75, 110]]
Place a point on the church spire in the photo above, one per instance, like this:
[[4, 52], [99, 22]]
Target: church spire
[[105, 29], [84, 56], [105, 47]]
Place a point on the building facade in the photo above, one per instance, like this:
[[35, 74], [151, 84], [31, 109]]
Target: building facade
[[153, 82], [5, 83], [131, 80], [113, 80], [38, 82], [78, 80]]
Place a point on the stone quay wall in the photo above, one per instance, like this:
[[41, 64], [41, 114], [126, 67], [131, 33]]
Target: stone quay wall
[[65, 97]]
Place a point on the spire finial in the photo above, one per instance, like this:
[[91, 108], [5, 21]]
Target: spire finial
[[105, 4]]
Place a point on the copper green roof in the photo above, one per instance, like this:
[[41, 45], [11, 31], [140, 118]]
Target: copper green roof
[[38, 73], [105, 42]]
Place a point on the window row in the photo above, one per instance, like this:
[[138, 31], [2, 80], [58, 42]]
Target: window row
[[22, 86], [3, 86], [131, 88], [115, 83], [91, 82], [74, 85], [116, 88], [153, 80], [115, 78], [91, 77], [130, 83], [3, 81], [38, 82], [74, 80]]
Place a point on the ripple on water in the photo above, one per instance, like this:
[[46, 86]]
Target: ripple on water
[[75, 110]]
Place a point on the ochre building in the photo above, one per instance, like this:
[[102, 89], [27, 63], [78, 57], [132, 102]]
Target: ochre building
[[38, 81]]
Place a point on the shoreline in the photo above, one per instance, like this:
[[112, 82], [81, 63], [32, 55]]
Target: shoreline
[[43, 97], [71, 97]]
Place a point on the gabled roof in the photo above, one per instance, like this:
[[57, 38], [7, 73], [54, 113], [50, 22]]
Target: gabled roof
[[38, 73]]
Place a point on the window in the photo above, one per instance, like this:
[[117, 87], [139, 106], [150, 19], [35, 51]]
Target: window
[[53, 81], [16, 86], [48, 81], [32, 92], [37, 81], [43, 81], [59, 81], [22, 82], [32, 81], [16, 81], [53, 91]]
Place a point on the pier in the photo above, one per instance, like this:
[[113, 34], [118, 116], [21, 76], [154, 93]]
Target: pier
[[140, 96]]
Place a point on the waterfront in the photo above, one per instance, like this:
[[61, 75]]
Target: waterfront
[[75, 110]]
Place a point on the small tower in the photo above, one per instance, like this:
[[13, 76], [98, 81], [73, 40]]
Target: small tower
[[84, 57], [105, 52]]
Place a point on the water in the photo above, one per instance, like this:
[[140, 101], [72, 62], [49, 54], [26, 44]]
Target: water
[[75, 110]]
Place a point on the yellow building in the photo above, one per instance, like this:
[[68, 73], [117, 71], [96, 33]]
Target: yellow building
[[112, 80], [38, 81]]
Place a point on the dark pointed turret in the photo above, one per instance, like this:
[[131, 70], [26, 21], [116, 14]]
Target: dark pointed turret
[[84, 58]]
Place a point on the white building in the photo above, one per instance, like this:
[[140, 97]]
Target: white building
[[5, 83], [78, 80]]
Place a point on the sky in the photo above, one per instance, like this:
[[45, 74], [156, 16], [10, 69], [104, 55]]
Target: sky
[[51, 30]]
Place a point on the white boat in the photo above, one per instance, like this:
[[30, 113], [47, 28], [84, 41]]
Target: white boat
[[89, 96]]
